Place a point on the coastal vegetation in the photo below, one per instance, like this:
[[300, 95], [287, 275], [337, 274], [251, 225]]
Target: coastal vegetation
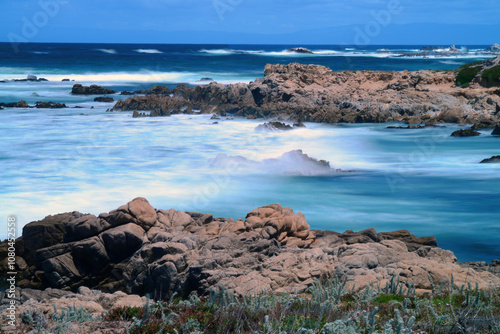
[[491, 76], [466, 73], [328, 307]]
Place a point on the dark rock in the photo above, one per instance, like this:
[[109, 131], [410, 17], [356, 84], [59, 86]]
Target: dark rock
[[65, 80], [207, 79], [46, 232], [273, 126], [493, 159], [300, 50], [92, 90], [122, 241], [20, 104], [299, 125], [407, 127], [50, 105], [496, 131], [465, 133], [85, 227], [31, 77], [136, 114], [159, 90], [126, 93], [103, 99]]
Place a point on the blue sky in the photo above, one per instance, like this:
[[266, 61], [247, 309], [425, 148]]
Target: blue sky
[[252, 21]]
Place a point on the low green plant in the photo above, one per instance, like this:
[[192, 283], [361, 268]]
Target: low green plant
[[491, 76], [467, 72], [327, 307]]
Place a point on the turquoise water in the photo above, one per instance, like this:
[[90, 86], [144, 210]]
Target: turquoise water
[[93, 161]]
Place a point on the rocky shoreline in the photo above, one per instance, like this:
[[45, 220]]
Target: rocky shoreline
[[314, 93], [140, 250]]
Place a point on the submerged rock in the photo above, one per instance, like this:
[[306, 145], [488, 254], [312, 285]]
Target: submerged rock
[[20, 104], [78, 89], [50, 105], [465, 133], [103, 99]]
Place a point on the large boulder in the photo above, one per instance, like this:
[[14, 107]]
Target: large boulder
[[45, 233]]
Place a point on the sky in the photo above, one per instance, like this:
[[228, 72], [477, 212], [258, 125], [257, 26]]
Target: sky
[[350, 22]]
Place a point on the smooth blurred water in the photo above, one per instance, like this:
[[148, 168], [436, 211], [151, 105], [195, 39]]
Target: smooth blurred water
[[93, 161]]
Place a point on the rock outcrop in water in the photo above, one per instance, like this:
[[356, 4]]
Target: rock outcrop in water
[[493, 159], [40, 105], [496, 131], [92, 90], [317, 94], [495, 48], [465, 133], [300, 50], [140, 250], [103, 99], [274, 126]]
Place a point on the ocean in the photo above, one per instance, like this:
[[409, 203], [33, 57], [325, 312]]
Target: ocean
[[91, 160]]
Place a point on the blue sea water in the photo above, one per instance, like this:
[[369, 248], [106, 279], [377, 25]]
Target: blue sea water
[[90, 160]]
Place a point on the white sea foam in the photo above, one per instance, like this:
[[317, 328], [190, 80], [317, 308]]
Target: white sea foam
[[219, 52], [229, 52], [150, 51], [109, 51], [141, 76], [451, 62], [347, 52]]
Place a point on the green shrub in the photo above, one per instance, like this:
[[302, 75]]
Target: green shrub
[[491, 76], [466, 74]]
